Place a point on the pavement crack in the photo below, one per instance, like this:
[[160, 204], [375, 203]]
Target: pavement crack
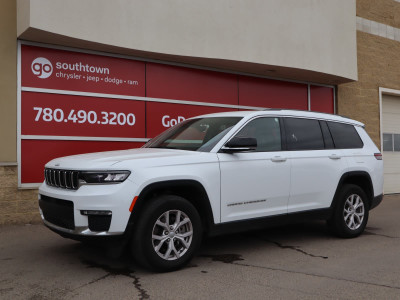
[[142, 292], [225, 258], [379, 234], [296, 249], [93, 281], [318, 275], [98, 279], [115, 271], [6, 290]]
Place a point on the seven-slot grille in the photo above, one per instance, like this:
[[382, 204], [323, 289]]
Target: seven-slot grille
[[65, 179]]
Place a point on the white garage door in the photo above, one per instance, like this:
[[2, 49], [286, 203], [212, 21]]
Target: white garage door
[[391, 143]]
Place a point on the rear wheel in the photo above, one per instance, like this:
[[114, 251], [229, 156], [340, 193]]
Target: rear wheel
[[167, 234], [350, 216]]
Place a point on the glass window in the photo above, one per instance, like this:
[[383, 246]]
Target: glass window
[[200, 134], [396, 142], [266, 131], [303, 134], [387, 142], [345, 136]]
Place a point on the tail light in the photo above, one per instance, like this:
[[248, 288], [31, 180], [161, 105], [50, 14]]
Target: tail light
[[378, 156]]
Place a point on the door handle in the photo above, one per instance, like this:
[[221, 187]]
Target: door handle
[[278, 159], [334, 156]]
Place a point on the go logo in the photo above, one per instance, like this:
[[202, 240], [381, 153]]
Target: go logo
[[42, 67], [168, 122]]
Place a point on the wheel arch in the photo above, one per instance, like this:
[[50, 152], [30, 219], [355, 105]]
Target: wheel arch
[[359, 178], [191, 190]]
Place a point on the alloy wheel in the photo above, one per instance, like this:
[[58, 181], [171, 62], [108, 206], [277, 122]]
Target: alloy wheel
[[172, 234], [353, 212]]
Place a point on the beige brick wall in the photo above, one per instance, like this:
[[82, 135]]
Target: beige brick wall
[[8, 81], [378, 66], [16, 206], [382, 11]]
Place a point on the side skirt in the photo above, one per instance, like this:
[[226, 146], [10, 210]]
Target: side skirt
[[270, 221]]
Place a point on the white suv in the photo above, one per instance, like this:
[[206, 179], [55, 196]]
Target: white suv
[[216, 173]]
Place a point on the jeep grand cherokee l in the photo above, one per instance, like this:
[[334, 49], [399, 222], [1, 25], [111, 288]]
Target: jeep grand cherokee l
[[216, 173]]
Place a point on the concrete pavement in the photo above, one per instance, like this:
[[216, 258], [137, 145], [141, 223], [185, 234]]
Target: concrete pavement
[[296, 262]]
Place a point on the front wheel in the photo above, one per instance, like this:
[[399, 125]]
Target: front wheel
[[350, 215], [167, 234]]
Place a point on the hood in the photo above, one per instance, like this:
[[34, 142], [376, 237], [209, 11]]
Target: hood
[[108, 159]]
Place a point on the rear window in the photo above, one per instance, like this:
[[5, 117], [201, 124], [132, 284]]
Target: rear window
[[345, 136], [303, 134]]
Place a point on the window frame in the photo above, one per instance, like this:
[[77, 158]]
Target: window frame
[[283, 131], [393, 142], [326, 134]]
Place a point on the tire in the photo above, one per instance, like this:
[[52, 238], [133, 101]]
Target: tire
[[351, 212], [166, 248]]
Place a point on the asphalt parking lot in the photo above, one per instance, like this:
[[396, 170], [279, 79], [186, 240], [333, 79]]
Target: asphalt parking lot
[[297, 262]]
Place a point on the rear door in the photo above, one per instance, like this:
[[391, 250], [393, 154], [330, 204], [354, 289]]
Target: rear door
[[316, 165]]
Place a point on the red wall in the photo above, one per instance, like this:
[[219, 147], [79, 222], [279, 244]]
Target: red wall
[[170, 82], [322, 99], [269, 93], [88, 95]]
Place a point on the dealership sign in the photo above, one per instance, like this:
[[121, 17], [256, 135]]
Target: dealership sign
[[75, 71]]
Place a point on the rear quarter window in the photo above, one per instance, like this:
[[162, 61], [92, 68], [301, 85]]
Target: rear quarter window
[[345, 136]]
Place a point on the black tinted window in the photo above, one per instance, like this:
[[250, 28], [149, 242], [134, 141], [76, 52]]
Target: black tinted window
[[303, 134], [266, 131], [345, 136]]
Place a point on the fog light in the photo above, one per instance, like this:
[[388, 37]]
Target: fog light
[[96, 212]]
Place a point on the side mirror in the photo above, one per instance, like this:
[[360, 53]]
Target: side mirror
[[240, 144]]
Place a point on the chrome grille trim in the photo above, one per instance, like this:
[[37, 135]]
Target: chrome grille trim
[[65, 179]]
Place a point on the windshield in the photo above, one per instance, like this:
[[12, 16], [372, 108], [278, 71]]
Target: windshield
[[194, 135]]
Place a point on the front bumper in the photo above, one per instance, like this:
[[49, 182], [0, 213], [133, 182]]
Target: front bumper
[[114, 198]]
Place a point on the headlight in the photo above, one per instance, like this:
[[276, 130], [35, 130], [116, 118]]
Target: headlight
[[103, 177]]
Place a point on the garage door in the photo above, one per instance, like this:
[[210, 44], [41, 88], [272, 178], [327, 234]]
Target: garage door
[[391, 143]]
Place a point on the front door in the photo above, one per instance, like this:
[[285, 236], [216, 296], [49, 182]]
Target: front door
[[256, 184]]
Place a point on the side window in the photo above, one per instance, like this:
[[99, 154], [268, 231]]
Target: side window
[[266, 131], [391, 142], [345, 136], [303, 134], [388, 142]]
